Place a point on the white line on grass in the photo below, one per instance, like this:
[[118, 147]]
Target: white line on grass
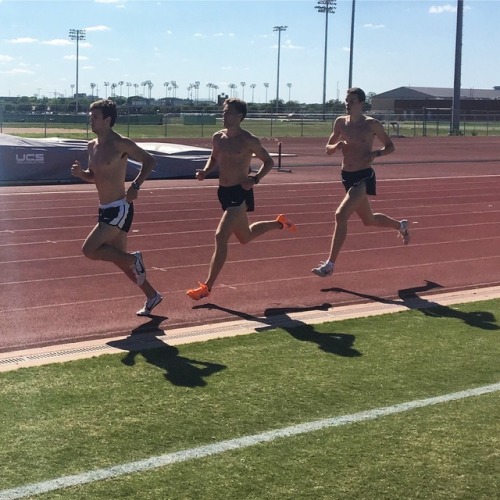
[[235, 444]]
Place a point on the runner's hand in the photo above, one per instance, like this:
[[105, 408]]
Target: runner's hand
[[76, 169]]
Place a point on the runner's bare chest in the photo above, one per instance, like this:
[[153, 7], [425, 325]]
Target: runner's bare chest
[[357, 133], [107, 156]]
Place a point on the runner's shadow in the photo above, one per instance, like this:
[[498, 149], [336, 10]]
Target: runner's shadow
[[178, 370], [409, 298], [152, 326], [340, 344]]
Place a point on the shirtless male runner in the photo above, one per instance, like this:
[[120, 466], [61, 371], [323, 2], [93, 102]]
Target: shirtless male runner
[[354, 134], [108, 154], [232, 150]]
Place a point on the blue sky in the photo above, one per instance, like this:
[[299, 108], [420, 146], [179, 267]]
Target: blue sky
[[396, 43]]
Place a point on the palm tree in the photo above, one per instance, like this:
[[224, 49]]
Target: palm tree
[[120, 84], [113, 87], [92, 86], [252, 86], [106, 84], [128, 84], [150, 86], [289, 85], [174, 87], [210, 86], [232, 86], [243, 87], [166, 84], [136, 86], [267, 86]]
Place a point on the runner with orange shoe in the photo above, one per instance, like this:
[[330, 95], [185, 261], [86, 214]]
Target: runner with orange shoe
[[232, 151]]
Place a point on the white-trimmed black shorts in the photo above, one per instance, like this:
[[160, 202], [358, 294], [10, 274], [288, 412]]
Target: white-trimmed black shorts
[[118, 213]]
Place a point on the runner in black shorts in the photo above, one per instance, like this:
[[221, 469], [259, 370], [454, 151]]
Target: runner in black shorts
[[233, 149], [352, 179], [354, 134], [119, 213], [234, 196], [108, 154]]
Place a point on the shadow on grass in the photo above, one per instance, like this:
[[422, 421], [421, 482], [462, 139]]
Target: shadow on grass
[[409, 298], [340, 344], [179, 370]]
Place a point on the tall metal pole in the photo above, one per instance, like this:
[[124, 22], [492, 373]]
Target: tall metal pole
[[351, 51], [328, 7], [455, 112], [279, 29], [76, 34]]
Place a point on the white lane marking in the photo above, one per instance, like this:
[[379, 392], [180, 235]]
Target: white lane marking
[[236, 444]]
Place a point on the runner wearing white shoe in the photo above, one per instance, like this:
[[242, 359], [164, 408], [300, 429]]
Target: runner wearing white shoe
[[108, 154], [353, 134]]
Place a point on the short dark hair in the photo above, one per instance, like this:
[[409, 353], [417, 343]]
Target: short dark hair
[[357, 92], [239, 104], [107, 107]]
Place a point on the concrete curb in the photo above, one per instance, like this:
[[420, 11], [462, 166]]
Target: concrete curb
[[68, 352]]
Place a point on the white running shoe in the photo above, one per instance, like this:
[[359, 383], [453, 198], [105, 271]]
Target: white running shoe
[[139, 269], [324, 269], [404, 232], [150, 304]]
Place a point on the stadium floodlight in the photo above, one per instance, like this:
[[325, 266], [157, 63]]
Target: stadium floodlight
[[77, 34], [326, 7], [279, 29]]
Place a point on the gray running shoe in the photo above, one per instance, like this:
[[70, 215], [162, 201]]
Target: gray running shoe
[[139, 269], [149, 305], [324, 269], [404, 232]]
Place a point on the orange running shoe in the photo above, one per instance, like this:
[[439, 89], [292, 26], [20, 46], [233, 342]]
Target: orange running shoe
[[285, 222], [199, 293]]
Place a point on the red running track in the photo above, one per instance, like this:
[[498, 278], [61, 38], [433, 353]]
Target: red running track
[[51, 294]]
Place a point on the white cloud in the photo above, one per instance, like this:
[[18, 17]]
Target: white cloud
[[439, 9], [98, 28], [58, 42], [287, 44], [4, 58], [73, 58], [373, 26], [18, 71], [23, 40]]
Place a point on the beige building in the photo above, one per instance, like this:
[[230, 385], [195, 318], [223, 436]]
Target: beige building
[[412, 102]]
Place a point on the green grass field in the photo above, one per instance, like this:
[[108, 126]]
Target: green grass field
[[260, 127], [87, 415]]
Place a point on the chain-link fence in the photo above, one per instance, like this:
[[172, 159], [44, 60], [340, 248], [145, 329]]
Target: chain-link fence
[[204, 124]]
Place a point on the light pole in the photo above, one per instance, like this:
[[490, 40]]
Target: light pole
[[351, 52], [77, 35], [279, 29], [455, 111], [328, 7]]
